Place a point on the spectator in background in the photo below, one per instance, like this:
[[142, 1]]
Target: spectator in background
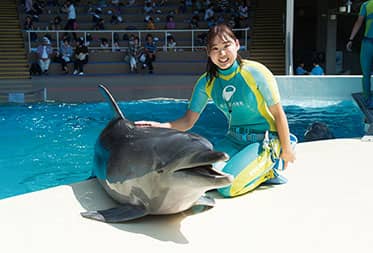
[[317, 70], [44, 52], [133, 52], [115, 17], [243, 10], [104, 44], [194, 22], [71, 24], [116, 46], [188, 3], [209, 13], [171, 43], [37, 8], [198, 7], [300, 70], [29, 25], [170, 23], [232, 23], [55, 24], [81, 57], [100, 24], [148, 8], [150, 49], [150, 24], [182, 7], [211, 22], [162, 2], [116, 4], [64, 55], [28, 6], [88, 39], [131, 2]]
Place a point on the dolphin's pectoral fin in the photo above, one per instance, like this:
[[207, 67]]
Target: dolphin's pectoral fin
[[202, 204], [205, 201], [121, 213]]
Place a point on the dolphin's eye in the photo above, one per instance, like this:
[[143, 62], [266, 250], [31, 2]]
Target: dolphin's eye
[[160, 171]]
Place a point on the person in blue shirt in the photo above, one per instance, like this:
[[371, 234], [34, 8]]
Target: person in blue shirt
[[300, 70], [150, 49], [366, 52], [317, 70], [258, 139], [65, 54]]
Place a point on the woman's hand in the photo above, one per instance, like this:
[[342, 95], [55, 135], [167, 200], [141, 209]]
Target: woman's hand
[[287, 156], [144, 123], [183, 124], [349, 46]]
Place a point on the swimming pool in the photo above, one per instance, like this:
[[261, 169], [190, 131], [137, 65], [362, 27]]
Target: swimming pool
[[49, 144]]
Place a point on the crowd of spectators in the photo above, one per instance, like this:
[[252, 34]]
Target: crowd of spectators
[[186, 14]]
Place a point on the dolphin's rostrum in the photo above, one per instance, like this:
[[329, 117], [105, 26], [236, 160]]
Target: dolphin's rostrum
[[150, 170]]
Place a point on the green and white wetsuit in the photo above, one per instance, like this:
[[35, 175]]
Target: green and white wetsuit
[[244, 92]]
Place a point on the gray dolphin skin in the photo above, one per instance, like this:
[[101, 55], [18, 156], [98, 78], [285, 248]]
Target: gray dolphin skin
[[152, 171]]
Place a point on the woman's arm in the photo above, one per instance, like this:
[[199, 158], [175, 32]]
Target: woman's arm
[[183, 124], [358, 23], [282, 126]]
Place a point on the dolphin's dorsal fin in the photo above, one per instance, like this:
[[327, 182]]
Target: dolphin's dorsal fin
[[114, 105]]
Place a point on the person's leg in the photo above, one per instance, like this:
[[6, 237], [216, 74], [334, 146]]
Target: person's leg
[[43, 65], [80, 66], [366, 61], [150, 63], [76, 67], [47, 63], [250, 167], [82, 63], [64, 65], [248, 164], [132, 63], [279, 163]]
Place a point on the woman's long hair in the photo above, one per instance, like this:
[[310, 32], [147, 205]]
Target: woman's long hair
[[223, 31]]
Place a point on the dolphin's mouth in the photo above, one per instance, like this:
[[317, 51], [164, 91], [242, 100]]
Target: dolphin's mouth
[[204, 167], [205, 171]]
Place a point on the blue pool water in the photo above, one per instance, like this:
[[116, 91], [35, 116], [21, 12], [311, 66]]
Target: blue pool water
[[44, 145]]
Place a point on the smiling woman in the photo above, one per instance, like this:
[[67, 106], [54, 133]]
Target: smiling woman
[[247, 94]]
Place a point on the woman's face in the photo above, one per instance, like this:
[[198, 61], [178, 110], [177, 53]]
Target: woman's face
[[223, 51]]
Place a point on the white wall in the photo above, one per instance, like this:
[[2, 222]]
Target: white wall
[[318, 87]]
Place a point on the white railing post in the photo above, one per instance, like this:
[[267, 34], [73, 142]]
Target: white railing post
[[165, 41], [112, 41], [58, 40], [192, 40], [139, 34]]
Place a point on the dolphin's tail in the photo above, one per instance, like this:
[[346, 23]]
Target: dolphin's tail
[[114, 105]]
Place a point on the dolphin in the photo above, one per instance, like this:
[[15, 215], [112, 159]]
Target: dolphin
[[152, 171]]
